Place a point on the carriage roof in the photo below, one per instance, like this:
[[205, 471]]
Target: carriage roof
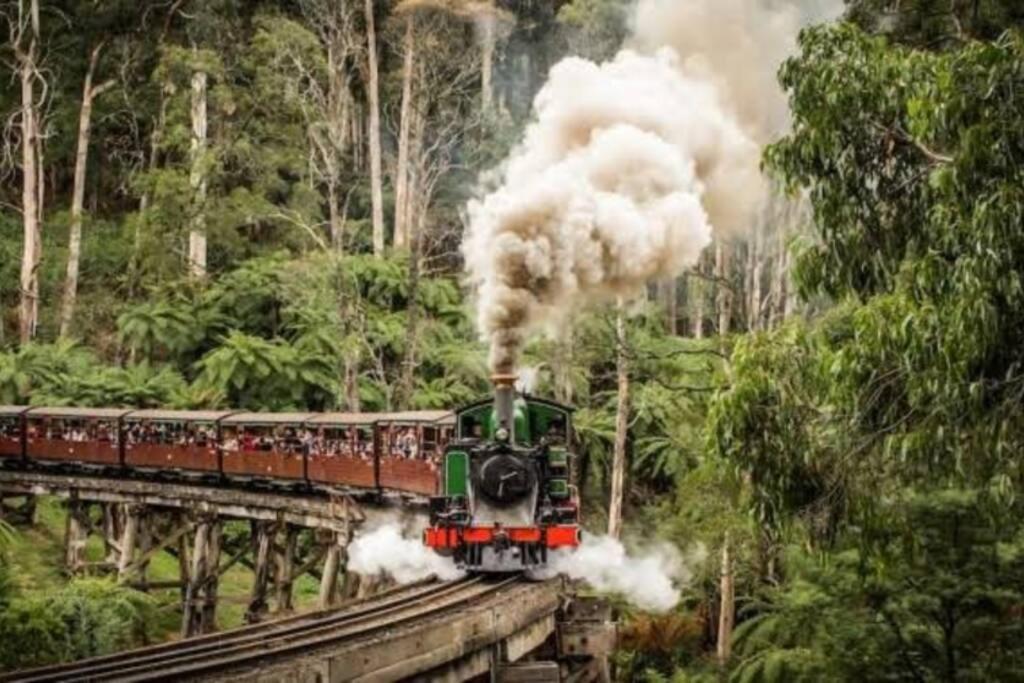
[[268, 418], [179, 415], [79, 413], [12, 411]]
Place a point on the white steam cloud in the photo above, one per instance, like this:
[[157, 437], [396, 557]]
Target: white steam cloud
[[650, 580], [618, 182], [630, 166], [388, 550]]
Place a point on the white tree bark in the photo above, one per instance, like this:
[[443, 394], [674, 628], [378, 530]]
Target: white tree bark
[[698, 295], [373, 96], [671, 301], [401, 236], [724, 293], [198, 178], [621, 427], [26, 47], [777, 281], [727, 606], [756, 276], [487, 43], [339, 103], [89, 95]]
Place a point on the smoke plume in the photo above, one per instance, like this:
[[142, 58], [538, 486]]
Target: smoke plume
[[403, 557], [649, 580], [631, 165]]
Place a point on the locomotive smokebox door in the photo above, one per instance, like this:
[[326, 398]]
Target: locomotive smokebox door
[[505, 479]]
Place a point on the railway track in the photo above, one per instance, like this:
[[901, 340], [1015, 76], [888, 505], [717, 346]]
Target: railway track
[[247, 646]]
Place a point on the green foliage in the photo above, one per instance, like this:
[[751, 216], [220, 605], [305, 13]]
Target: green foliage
[[595, 29], [936, 24], [931, 603], [885, 433], [256, 373], [89, 617]]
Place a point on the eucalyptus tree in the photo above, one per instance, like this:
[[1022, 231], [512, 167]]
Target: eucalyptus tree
[[25, 39], [888, 428]]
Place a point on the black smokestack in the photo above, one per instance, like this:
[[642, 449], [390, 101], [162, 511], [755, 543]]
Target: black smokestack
[[504, 403]]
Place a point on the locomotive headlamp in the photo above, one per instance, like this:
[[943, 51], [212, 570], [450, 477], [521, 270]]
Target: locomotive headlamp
[[501, 434]]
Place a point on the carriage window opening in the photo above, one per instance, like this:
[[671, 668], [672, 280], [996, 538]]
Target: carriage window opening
[[332, 441], [403, 442], [170, 434], [430, 442], [557, 432], [364, 443], [290, 439], [75, 430], [471, 427], [10, 429]]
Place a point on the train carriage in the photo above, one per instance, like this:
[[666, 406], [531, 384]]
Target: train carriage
[[343, 450], [411, 446], [265, 445], [89, 436], [176, 440], [11, 431]]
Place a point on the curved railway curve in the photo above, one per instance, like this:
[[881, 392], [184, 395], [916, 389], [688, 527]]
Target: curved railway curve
[[214, 656]]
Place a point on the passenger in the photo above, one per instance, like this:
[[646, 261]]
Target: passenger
[[231, 444]]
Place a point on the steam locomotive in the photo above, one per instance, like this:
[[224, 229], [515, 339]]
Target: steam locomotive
[[505, 500]]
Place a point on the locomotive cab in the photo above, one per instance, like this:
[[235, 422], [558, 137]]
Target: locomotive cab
[[505, 496]]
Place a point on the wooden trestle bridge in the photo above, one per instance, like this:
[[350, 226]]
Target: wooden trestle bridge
[[428, 631]]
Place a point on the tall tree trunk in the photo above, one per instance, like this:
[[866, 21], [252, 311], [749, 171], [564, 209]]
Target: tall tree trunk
[[699, 295], [351, 381], [778, 282], [723, 284], [31, 171], [728, 607], [373, 96], [408, 378], [197, 178], [358, 137], [621, 425], [756, 275], [89, 94], [339, 123], [401, 236], [670, 299], [416, 195], [337, 226], [487, 42]]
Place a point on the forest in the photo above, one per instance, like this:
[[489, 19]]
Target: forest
[[264, 206]]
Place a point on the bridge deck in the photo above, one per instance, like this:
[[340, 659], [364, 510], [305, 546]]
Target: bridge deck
[[438, 630], [323, 508]]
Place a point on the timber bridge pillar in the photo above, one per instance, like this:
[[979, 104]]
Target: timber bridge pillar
[[280, 537]]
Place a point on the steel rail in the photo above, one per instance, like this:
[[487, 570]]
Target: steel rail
[[110, 666], [458, 595]]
